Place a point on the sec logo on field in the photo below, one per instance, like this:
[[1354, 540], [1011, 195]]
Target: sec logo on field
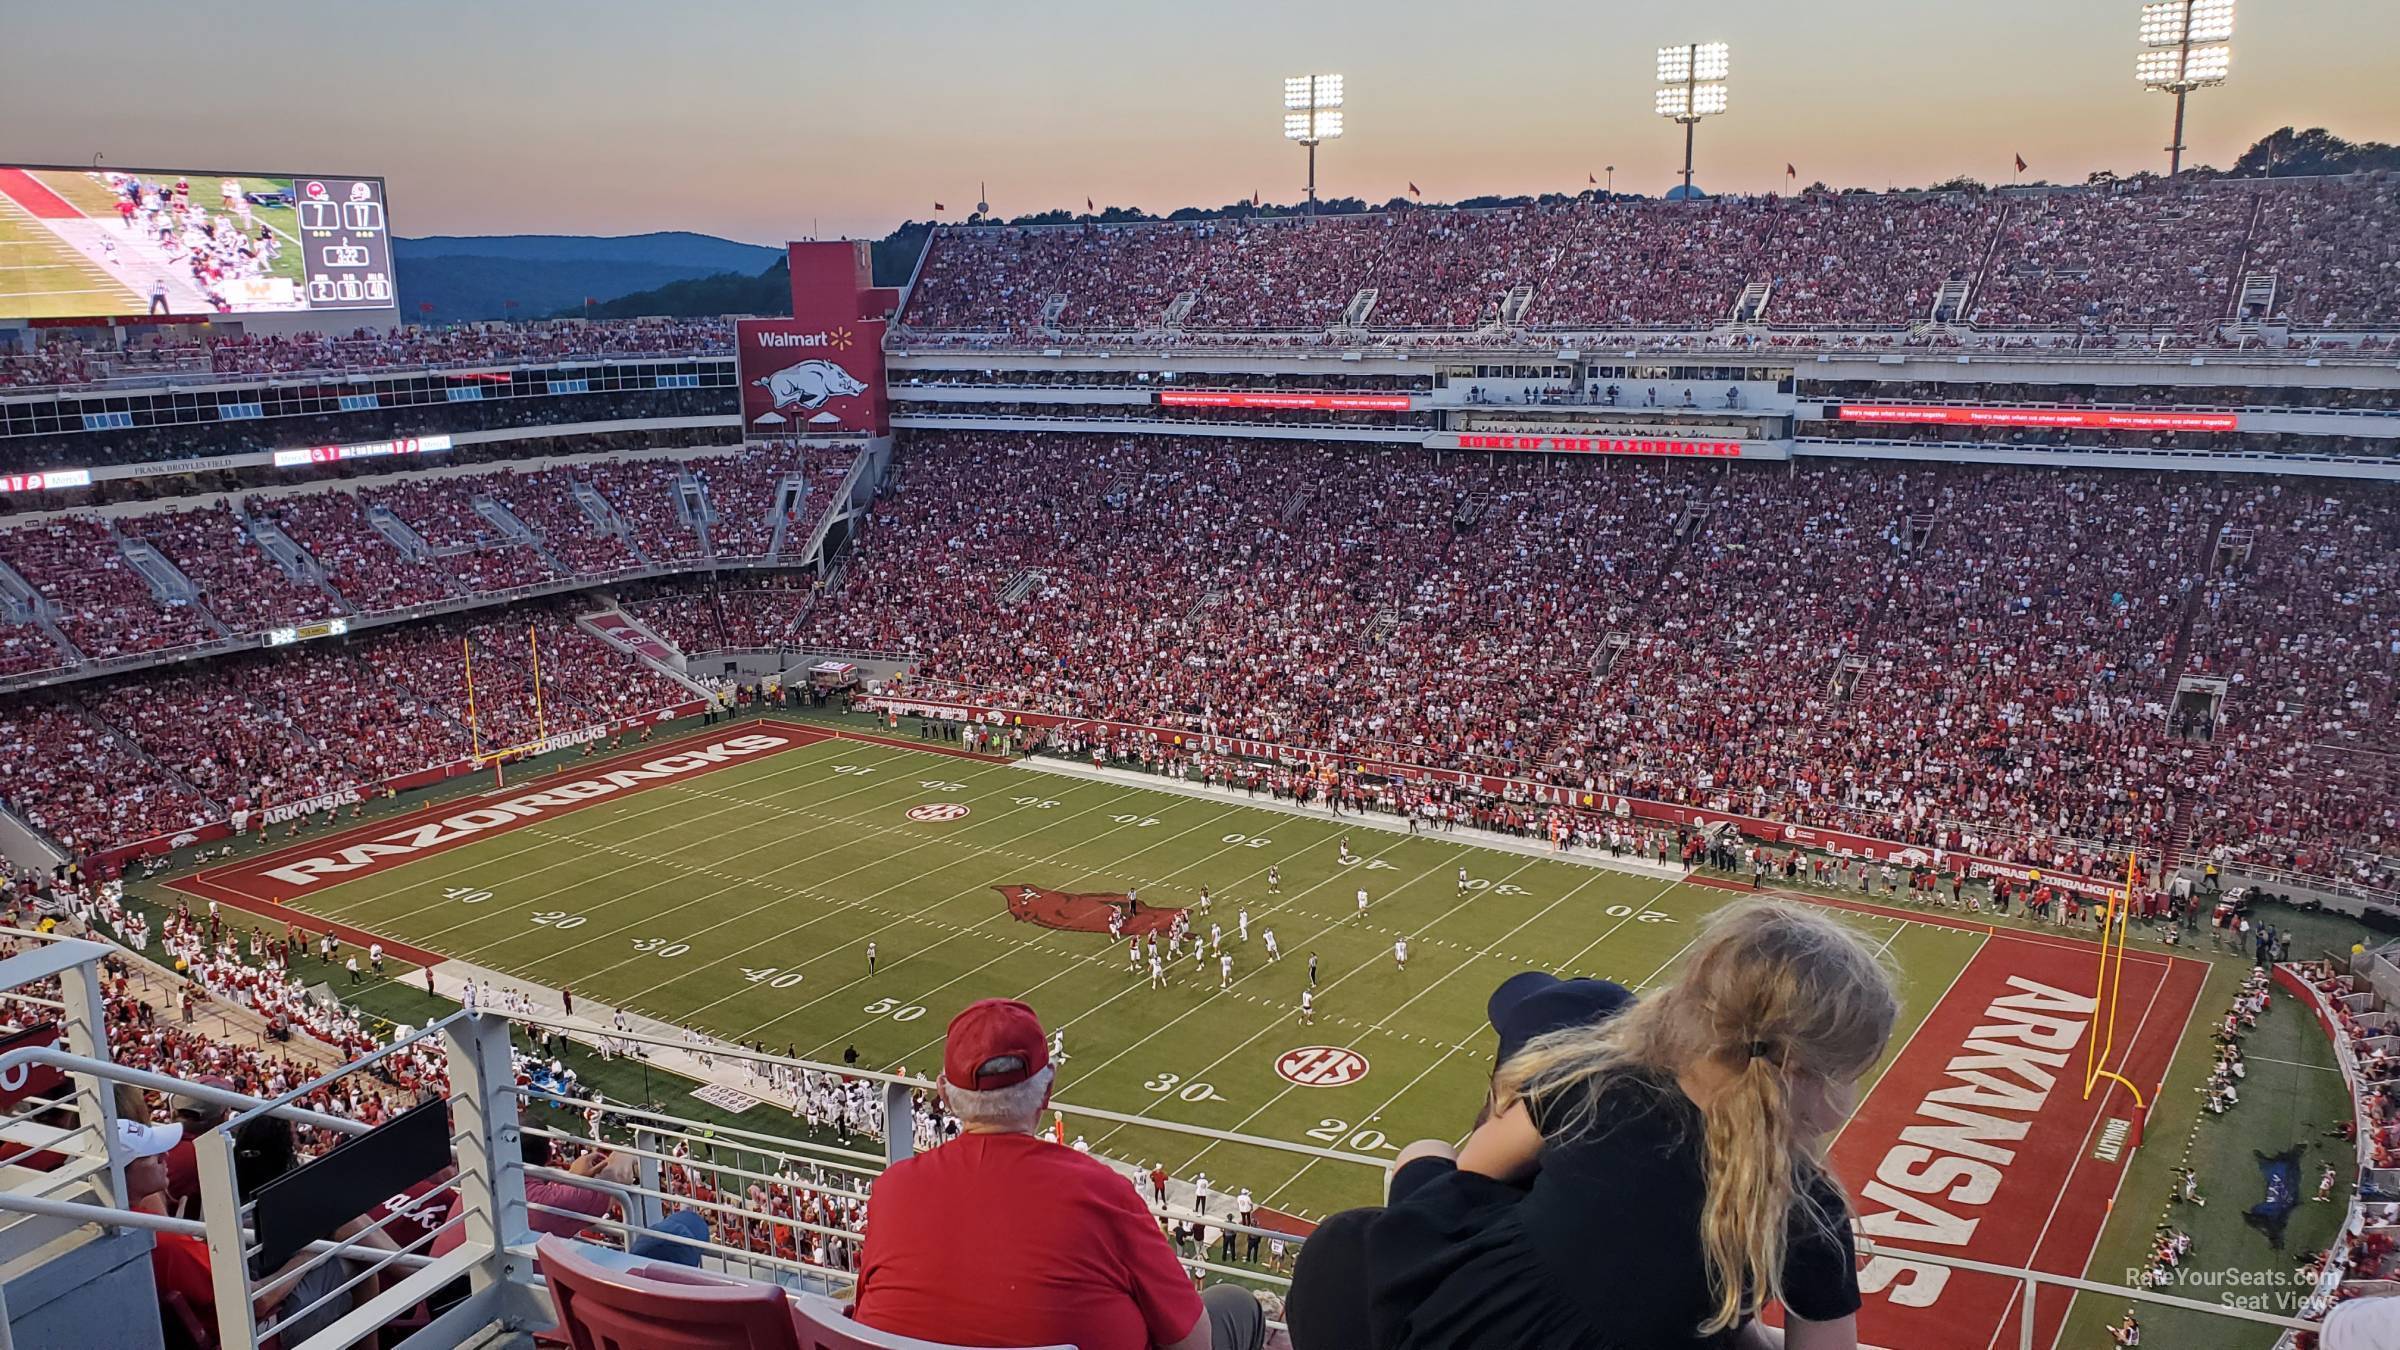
[[1322, 1066], [938, 811]]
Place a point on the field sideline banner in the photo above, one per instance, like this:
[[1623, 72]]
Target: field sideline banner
[[1910, 414], [1663, 446], [235, 821], [1839, 842]]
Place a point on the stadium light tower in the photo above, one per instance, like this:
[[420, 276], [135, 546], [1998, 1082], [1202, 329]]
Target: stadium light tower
[[1691, 85], [1312, 112], [2188, 47]]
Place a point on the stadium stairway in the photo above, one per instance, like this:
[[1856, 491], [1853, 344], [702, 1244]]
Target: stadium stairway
[[286, 552], [625, 633], [495, 513]]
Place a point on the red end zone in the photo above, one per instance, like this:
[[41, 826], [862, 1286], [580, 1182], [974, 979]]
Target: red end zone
[[1979, 1143], [261, 883], [31, 193]]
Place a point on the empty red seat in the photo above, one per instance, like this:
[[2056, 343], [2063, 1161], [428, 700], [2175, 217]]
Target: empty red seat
[[660, 1307], [663, 1307]]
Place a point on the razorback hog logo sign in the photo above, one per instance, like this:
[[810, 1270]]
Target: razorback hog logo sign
[[809, 385], [1085, 912], [819, 377], [390, 849]]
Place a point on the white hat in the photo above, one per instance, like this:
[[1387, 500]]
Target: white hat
[[2363, 1324], [140, 1139]]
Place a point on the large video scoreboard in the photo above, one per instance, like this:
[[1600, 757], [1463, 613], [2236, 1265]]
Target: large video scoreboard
[[100, 241]]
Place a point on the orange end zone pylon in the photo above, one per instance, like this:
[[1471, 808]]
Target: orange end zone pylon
[[2116, 919]]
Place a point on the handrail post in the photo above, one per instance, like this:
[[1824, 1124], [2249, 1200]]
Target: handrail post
[[648, 1177], [899, 1123], [228, 1262], [487, 1138], [84, 1027]]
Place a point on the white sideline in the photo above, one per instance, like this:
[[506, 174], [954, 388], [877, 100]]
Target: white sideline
[[1372, 820]]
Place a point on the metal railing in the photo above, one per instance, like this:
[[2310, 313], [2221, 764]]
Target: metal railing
[[487, 1233]]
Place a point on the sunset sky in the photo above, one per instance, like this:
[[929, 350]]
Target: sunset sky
[[761, 121]]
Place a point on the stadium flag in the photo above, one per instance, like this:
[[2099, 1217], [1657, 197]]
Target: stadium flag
[[1790, 172], [2021, 166], [424, 306], [1254, 199], [1087, 205], [1414, 192], [939, 207]]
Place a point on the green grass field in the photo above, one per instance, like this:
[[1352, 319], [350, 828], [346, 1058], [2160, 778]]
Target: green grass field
[[39, 275], [693, 900], [94, 199], [795, 861]]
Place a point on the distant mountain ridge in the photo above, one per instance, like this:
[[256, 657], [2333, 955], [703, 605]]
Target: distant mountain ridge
[[470, 277], [674, 248]]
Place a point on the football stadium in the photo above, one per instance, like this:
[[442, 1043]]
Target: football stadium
[[1614, 767]]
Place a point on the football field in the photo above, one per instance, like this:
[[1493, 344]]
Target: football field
[[734, 880]]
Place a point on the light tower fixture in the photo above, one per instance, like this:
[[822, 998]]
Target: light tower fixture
[[1691, 85], [1312, 113], [2187, 46]]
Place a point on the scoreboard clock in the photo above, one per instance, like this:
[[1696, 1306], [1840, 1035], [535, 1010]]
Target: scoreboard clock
[[345, 242]]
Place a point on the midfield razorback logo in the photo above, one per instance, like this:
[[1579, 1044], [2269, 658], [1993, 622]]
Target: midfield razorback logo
[[1084, 912]]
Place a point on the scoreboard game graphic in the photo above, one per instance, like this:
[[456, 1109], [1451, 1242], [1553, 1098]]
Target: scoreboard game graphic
[[103, 242]]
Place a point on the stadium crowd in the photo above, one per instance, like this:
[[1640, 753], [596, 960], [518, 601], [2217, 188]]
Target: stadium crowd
[[69, 361], [1965, 657], [148, 757], [2123, 258], [170, 430], [1905, 651], [94, 597]]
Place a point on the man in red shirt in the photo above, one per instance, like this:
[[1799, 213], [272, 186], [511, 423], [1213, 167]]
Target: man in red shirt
[[1003, 1238]]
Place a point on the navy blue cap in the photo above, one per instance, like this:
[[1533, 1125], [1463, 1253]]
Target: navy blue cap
[[1533, 1003]]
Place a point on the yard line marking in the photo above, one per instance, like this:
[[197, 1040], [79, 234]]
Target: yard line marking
[[1567, 966], [1488, 948], [2289, 1063], [542, 834], [647, 806], [1463, 1042], [1212, 997], [971, 853], [1468, 899], [1213, 819], [656, 915], [1276, 908]]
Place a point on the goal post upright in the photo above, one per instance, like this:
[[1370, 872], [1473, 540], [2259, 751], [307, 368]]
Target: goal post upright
[[2116, 919], [498, 756], [466, 656], [533, 644]]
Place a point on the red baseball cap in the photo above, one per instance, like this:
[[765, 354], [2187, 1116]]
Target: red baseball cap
[[990, 1029]]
